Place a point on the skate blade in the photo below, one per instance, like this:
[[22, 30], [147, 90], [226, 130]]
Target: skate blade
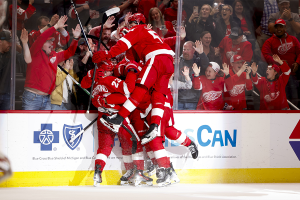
[[125, 183], [165, 184], [142, 184], [175, 181], [96, 184], [114, 128], [151, 173]]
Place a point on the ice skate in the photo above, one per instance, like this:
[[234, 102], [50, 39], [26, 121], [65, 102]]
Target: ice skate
[[163, 176], [193, 149], [150, 135], [126, 178], [150, 168], [97, 176], [174, 177], [113, 122], [139, 179]]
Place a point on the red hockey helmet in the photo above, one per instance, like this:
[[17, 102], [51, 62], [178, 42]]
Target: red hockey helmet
[[106, 66], [137, 18]]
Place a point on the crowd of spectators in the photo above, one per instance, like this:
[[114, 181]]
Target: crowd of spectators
[[226, 58]]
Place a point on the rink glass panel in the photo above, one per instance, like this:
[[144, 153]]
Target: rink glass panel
[[253, 8]]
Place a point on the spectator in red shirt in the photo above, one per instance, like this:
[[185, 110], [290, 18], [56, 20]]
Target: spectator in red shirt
[[235, 43], [241, 81], [61, 37], [163, 28], [272, 88], [212, 86], [287, 47], [41, 72], [22, 15]]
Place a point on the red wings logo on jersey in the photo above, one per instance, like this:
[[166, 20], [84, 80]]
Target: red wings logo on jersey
[[211, 96], [98, 89], [20, 11], [271, 97], [282, 49], [236, 90]]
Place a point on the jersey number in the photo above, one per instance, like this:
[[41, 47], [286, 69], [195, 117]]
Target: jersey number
[[154, 34], [116, 82]]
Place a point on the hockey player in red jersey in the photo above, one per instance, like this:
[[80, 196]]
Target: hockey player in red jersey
[[212, 86], [111, 92], [272, 88], [158, 68], [241, 81]]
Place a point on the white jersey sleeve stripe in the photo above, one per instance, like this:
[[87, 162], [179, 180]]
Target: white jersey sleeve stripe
[[150, 154], [101, 156], [158, 52], [147, 70], [127, 159], [125, 88], [126, 42], [288, 72], [181, 139], [160, 153], [157, 112], [129, 105], [138, 156]]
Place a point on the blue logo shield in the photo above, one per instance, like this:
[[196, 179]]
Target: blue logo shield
[[72, 131]]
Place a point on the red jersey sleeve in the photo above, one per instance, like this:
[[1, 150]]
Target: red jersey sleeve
[[249, 85], [33, 35], [197, 83], [39, 42], [64, 55], [228, 83], [267, 51], [171, 41], [286, 72], [126, 42], [130, 82], [23, 14], [116, 98]]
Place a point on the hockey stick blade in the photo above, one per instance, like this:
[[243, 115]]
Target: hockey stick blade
[[112, 11], [83, 130]]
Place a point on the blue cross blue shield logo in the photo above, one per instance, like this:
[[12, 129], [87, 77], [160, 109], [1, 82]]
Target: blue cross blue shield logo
[[70, 132], [46, 137]]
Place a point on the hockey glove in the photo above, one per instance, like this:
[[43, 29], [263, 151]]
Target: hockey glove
[[101, 56], [132, 65], [99, 74], [98, 101]]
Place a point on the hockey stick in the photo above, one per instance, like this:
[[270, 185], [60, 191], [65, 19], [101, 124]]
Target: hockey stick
[[82, 131], [133, 136], [73, 79], [109, 12], [96, 38]]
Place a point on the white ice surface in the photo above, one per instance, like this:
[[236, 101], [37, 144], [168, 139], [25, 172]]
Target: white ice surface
[[276, 191]]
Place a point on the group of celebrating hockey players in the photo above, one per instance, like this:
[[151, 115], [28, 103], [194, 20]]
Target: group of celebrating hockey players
[[142, 102]]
